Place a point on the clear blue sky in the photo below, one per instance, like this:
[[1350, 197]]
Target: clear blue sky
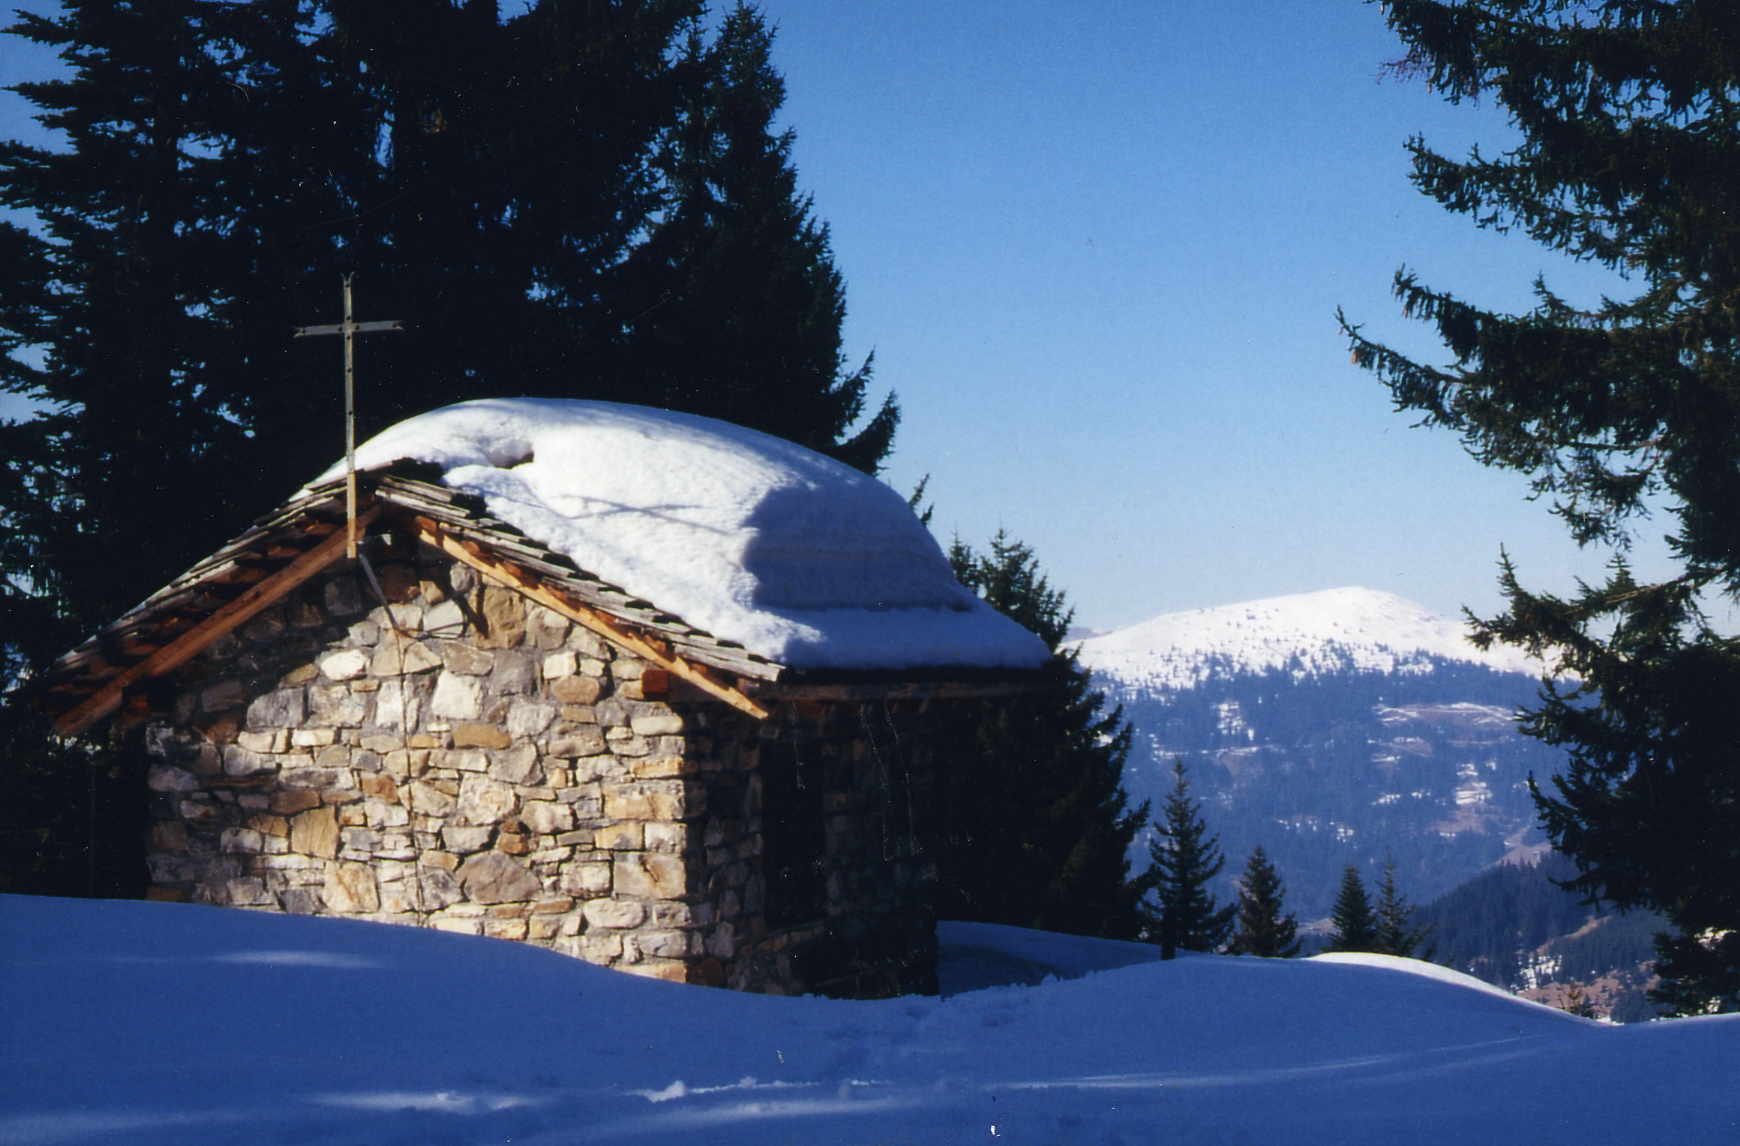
[[1097, 249]]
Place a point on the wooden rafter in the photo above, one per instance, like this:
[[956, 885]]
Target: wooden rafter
[[190, 643], [644, 645]]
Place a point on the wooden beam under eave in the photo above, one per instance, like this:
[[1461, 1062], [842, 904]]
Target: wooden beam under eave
[[191, 643], [650, 648]]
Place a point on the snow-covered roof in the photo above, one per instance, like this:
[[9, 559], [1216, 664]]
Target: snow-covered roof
[[797, 557]]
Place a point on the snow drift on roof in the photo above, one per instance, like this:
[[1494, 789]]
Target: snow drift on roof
[[798, 557]]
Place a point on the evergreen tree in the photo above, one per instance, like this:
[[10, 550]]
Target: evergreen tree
[[1396, 932], [1629, 121], [1353, 924], [1183, 858], [737, 308], [1036, 824], [492, 177], [1262, 929]]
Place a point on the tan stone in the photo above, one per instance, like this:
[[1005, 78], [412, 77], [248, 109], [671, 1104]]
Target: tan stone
[[575, 689], [669, 970], [656, 724], [653, 800], [512, 843], [666, 837], [648, 875], [301, 674], [546, 817], [350, 889], [315, 833], [270, 825], [430, 799], [578, 743], [446, 861], [505, 928], [464, 840], [558, 665], [288, 801], [619, 837], [313, 737], [472, 735], [504, 618], [272, 740], [379, 786], [660, 767]]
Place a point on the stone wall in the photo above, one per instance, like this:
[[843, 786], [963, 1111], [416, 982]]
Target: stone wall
[[465, 759]]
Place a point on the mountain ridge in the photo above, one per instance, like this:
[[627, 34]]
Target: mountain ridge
[[1331, 630]]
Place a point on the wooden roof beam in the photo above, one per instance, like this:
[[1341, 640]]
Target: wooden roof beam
[[651, 648], [191, 643]]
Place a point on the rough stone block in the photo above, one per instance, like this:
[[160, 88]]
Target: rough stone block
[[344, 665], [576, 689], [445, 620], [474, 735], [270, 740], [648, 875], [244, 840], [313, 737], [222, 695], [613, 914], [586, 879], [429, 800], [350, 889], [484, 801], [492, 877], [399, 657], [546, 817], [526, 718], [288, 801], [463, 659], [278, 709], [504, 618], [664, 837], [515, 673], [457, 697], [620, 837], [578, 743], [163, 778], [466, 840], [379, 786], [559, 665], [397, 705]]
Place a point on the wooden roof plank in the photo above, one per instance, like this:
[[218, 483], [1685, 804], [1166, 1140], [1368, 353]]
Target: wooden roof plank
[[618, 632], [189, 644]]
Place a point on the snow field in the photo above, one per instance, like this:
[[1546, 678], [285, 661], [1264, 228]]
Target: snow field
[[143, 1022]]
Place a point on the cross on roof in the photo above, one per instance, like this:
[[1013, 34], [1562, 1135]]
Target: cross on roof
[[349, 328]]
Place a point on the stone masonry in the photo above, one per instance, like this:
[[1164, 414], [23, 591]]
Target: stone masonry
[[464, 759]]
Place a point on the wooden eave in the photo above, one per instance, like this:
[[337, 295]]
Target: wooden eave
[[298, 540]]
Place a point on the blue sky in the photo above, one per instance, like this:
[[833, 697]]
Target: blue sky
[[1097, 250]]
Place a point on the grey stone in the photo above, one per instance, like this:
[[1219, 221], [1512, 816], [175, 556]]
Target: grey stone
[[517, 765], [163, 778], [440, 889], [515, 672], [445, 620], [279, 709], [238, 761], [491, 877], [580, 742], [528, 718], [483, 801], [397, 704], [463, 840]]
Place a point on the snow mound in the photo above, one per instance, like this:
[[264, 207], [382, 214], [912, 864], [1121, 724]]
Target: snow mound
[[1328, 631], [797, 557], [152, 1023]]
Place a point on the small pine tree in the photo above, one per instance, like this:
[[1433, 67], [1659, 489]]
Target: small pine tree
[[1262, 928], [1396, 932], [1354, 924], [1183, 858]]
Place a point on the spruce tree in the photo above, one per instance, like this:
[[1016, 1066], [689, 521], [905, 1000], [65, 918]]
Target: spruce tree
[[1262, 927], [1396, 932], [1183, 858], [1037, 826], [736, 307], [1353, 924], [1628, 118]]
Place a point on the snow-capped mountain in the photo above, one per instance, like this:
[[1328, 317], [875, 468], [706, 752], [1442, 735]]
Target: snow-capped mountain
[[1333, 630], [1348, 726]]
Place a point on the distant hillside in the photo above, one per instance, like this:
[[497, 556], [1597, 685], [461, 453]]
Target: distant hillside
[[1334, 728], [1514, 927]]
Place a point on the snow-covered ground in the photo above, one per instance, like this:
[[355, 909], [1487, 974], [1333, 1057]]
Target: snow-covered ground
[[137, 1022], [1327, 631]]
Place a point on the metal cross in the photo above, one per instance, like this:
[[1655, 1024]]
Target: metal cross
[[350, 328]]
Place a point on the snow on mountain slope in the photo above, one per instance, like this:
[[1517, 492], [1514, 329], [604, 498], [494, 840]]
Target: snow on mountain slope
[[1328, 631]]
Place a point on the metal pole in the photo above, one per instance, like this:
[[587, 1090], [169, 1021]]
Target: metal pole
[[349, 425]]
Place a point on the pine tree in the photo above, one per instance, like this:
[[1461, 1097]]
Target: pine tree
[[1396, 933], [1183, 858], [1629, 127], [1262, 929], [1037, 826], [737, 308], [1353, 924]]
